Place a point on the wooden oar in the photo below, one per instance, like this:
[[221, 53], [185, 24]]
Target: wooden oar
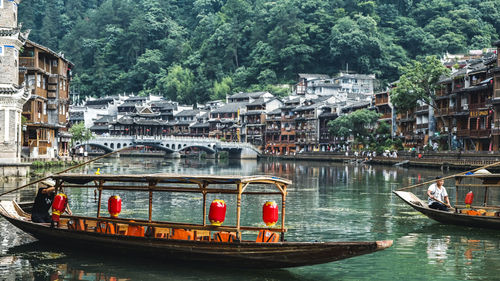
[[439, 201], [65, 170], [449, 177]]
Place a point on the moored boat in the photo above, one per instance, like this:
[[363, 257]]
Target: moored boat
[[207, 241], [483, 211]]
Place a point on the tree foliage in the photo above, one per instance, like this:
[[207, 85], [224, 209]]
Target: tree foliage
[[133, 46], [418, 83], [358, 124], [80, 133]]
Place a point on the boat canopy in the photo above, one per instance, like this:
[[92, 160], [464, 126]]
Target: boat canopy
[[149, 183], [170, 178]]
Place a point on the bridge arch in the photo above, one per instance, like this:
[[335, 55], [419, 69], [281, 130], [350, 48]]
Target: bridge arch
[[201, 147], [103, 147]]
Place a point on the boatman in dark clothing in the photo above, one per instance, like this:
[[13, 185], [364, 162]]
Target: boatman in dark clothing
[[43, 202], [438, 195]]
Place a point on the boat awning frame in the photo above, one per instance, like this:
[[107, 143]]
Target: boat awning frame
[[177, 183]]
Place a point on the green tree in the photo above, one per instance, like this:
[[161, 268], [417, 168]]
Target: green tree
[[222, 89], [178, 85], [79, 133], [356, 42], [359, 124], [419, 83]]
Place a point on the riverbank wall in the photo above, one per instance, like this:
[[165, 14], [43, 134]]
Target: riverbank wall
[[440, 160]]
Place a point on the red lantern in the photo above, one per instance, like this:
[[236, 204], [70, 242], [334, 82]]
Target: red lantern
[[58, 206], [217, 213], [270, 213], [468, 199], [114, 206]]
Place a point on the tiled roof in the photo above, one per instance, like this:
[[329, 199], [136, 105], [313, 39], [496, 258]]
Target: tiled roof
[[274, 112], [99, 127], [261, 101], [253, 95], [230, 107], [58, 55], [133, 99], [104, 118], [200, 125], [188, 112]]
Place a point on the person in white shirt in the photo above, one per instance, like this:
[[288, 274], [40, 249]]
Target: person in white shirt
[[438, 197]]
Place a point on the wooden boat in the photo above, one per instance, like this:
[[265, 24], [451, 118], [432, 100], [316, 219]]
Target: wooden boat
[[158, 240], [484, 213]]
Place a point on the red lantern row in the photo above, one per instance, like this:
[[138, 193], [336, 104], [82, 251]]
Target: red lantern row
[[217, 213]]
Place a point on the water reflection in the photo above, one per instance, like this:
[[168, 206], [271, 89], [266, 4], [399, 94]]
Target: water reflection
[[327, 202], [436, 249]]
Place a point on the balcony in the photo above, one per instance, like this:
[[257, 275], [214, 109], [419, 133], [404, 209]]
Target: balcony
[[477, 105], [51, 95], [422, 108], [385, 116], [27, 61], [480, 133], [381, 101], [497, 94]]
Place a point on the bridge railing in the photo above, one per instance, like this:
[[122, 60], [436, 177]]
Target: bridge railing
[[214, 141]]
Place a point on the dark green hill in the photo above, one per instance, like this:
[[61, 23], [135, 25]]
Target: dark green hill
[[194, 50]]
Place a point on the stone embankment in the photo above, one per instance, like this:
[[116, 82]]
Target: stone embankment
[[441, 160]]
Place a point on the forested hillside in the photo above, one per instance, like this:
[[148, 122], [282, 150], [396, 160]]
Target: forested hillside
[[195, 50]]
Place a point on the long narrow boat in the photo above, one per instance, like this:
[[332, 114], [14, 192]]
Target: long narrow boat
[[203, 242], [485, 213]]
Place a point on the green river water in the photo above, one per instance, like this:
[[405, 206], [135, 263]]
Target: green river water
[[327, 202]]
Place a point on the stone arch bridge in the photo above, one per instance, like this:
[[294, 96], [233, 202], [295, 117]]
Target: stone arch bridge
[[174, 145]]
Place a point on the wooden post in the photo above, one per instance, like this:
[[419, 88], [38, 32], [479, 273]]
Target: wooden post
[[283, 203], [204, 208], [99, 200], [151, 184], [485, 196], [150, 205], [238, 211]]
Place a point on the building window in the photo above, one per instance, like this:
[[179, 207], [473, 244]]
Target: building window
[[1, 47], [31, 79], [1, 3], [39, 80]]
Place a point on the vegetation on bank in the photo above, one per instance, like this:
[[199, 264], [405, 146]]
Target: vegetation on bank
[[55, 163], [192, 50]]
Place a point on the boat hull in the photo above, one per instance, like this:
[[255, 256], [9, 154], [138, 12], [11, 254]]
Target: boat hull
[[240, 254], [452, 217]]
